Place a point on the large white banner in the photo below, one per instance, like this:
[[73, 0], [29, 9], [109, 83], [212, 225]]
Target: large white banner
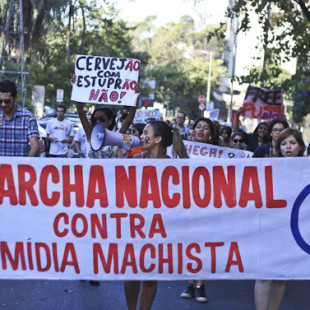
[[154, 219], [105, 80]]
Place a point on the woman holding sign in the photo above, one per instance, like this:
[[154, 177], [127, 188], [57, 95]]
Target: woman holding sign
[[156, 137], [269, 293], [105, 116]]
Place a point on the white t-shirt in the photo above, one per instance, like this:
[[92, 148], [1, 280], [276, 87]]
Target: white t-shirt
[[60, 130], [80, 137]]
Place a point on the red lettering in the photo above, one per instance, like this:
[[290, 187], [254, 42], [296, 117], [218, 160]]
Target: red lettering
[[93, 95], [146, 247], [97, 180], [162, 260], [29, 252], [112, 257], [129, 259], [46, 171], [78, 187], [70, 250], [149, 180], [157, 219], [55, 257], [74, 225], [270, 202], [6, 177], [221, 185], [204, 201], [234, 250], [174, 174], [180, 258], [65, 218], [136, 227], [196, 247], [250, 175], [186, 188], [19, 255], [195, 150], [42, 246], [118, 217], [101, 227], [204, 151], [27, 186], [213, 152], [126, 185], [213, 246]]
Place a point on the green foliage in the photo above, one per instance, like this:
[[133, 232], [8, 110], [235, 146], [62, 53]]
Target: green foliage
[[288, 37], [179, 61], [173, 55], [95, 31]]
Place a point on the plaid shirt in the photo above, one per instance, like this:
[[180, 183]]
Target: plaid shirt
[[16, 132]]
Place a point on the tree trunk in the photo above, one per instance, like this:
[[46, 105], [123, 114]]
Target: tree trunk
[[69, 31], [304, 8], [84, 28]]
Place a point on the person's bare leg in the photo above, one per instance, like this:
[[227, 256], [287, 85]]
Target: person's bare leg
[[262, 293], [148, 293], [277, 294], [132, 289]]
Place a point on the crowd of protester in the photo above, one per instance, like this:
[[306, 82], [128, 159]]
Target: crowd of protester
[[19, 137]]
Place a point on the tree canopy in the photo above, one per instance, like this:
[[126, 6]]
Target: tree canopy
[[286, 27]]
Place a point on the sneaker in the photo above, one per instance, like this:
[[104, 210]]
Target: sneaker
[[189, 292], [93, 282], [200, 294]]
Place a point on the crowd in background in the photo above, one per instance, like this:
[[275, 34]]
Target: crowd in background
[[19, 136]]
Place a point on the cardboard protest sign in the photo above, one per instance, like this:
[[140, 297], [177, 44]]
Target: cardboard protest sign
[[142, 116], [199, 150], [105, 80], [125, 219], [261, 103]]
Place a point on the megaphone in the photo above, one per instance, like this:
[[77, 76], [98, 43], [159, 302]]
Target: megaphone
[[100, 136]]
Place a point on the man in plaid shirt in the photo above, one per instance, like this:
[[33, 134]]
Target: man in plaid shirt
[[18, 127]]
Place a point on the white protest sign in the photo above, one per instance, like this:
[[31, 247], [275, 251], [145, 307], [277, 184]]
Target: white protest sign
[[209, 151], [142, 116], [212, 114], [125, 219], [60, 95], [105, 80]]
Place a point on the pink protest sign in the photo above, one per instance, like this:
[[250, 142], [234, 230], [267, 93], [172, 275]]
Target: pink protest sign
[[262, 103]]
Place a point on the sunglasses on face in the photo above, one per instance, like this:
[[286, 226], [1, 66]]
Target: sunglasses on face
[[6, 101], [237, 140], [101, 119]]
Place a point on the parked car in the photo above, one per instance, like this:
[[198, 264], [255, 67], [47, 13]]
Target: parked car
[[70, 115]]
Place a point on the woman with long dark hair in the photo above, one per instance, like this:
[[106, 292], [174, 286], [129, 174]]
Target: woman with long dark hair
[[156, 137]]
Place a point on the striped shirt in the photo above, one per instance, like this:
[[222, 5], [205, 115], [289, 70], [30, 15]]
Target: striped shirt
[[16, 132]]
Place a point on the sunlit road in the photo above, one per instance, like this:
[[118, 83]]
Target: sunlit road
[[61, 295]]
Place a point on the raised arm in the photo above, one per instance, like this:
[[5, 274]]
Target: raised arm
[[82, 114], [236, 124], [128, 120]]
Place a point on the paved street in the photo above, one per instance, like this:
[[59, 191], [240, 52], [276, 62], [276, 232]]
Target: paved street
[[63, 295]]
